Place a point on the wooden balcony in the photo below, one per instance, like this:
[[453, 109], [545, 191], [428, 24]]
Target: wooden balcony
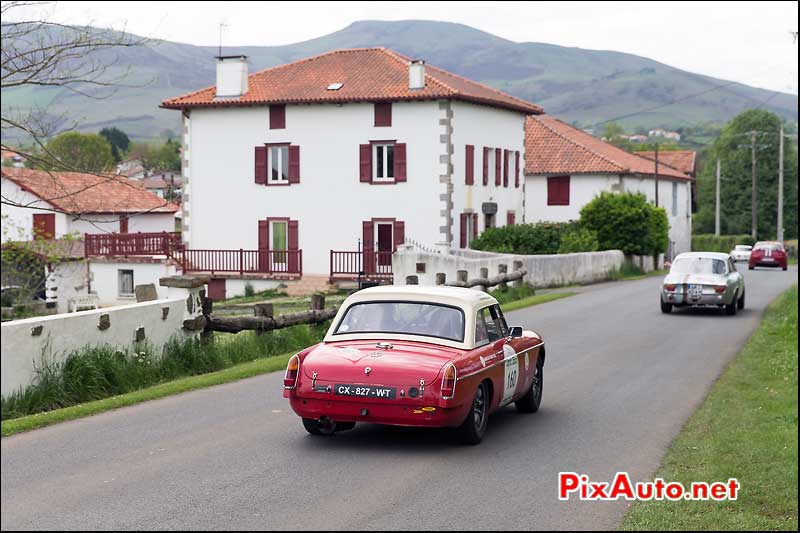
[[283, 263], [131, 244], [364, 265]]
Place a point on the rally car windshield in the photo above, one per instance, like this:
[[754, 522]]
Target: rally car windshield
[[406, 318], [698, 265]]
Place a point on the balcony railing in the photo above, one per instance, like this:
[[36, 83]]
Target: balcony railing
[[364, 264], [125, 244], [289, 262]]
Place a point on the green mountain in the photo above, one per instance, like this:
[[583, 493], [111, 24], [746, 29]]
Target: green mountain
[[580, 86]]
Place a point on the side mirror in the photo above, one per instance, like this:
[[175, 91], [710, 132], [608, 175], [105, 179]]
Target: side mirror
[[514, 332]]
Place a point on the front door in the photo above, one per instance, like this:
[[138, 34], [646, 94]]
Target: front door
[[279, 244], [385, 243]]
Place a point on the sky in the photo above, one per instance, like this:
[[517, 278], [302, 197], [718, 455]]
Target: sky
[[749, 42]]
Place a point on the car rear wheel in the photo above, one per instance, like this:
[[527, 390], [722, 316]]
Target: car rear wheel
[[730, 309], [666, 308], [473, 428], [319, 427], [533, 399], [740, 303]]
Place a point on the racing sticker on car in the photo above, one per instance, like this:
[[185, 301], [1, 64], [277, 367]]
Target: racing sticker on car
[[512, 373]]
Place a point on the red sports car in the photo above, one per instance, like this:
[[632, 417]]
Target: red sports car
[[768, 253], [416, 356]]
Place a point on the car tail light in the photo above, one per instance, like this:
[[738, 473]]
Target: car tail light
[[449, 382], [669, 288], [292, 371], [719, 289]]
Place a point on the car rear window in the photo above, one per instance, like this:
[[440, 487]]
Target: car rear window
[[698, 265], [769, 247], [406, 318]]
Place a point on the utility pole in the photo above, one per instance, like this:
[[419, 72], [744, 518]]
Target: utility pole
[[780, 186], [754, 193], [716, 211], [656, 174]]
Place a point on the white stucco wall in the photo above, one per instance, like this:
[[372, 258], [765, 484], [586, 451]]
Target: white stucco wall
[[23, 352], [17, 222], [222, 203], [104, 279], [109, 223], [584, 187], [481, 127], [64, 281]]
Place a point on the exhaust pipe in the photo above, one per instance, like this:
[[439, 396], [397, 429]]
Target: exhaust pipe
[[326, 426]]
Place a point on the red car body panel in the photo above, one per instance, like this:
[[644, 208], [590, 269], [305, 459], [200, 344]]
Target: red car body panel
[[508, 364], [771, 256]]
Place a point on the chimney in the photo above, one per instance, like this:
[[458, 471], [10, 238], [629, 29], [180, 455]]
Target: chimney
[[416, 74], [231, 76]]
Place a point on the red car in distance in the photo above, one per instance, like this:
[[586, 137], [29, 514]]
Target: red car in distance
[[416, 356], [768, 253]]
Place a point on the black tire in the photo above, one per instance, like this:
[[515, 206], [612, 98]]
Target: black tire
[[666, 308], [740, 302], [312, 426], [474, 426], [730, 309], [533, 399], [750, 267], [345, 426]]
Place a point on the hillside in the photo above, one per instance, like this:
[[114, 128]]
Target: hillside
[[583, 86]]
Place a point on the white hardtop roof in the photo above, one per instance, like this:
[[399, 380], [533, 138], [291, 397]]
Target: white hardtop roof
[[467, 299], [709, 255]]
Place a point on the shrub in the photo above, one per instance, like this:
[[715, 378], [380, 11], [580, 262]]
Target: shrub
[[707, 242], [249, 290], [527, 239], [578, 239], [627, 222]]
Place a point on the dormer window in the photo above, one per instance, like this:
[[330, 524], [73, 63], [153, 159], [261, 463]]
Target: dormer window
[[335, 86]]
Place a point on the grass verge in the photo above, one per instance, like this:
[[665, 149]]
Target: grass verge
[[747, 429], [245, 370], [536, 300]]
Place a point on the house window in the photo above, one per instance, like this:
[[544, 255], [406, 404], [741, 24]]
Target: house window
[[125, 282], [558, 190], [279, 164], [277, 117], [44, 226], [674, 199], [280, 239], [488, 221], [383, 114], [383, 162]]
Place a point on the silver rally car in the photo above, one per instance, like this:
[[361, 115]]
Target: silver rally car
[[703, 279]]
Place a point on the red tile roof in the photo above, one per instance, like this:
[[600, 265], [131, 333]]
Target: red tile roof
[[683, 160], [76, 192], [367, 75], [553, 147]]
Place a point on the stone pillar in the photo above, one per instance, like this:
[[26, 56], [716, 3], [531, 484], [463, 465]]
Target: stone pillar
[[190, 288], [317, 302], [412, 280], [502, 269], [441, 278], [517, 266]]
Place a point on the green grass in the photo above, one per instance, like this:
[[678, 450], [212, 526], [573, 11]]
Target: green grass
[[747, 429], [234, 373], [99, 372], [630, 272], [536, 300]]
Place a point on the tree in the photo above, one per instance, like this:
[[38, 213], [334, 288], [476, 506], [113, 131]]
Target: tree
[[615, 134], [732, 147], [118, 140], [158, 157], [86, 152], [627, 222]]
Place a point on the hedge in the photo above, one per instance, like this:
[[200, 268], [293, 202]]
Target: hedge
[[708, 242]]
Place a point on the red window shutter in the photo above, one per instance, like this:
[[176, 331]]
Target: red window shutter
[[294, 164], [261, 164], [44, 226], [516, 168], [558, 190], [552, 191], [399, 233], [277, 117], [123, 224], [486, 165], [383, 114], [469, 165], [263, 235], [365, 162], [367, 236], [293, 245], [565, 190], [498, 163], [505, 168], [400, 162], [464, 230], [511, 218], [474, 225]]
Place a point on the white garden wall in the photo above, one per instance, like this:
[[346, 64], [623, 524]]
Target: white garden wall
[[543, 270], [26, 342]]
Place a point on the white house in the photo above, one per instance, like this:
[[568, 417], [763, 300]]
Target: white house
[[330, 162], [566, 167], [41, 204]]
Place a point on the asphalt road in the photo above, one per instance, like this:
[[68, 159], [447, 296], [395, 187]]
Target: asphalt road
[[620, 381]]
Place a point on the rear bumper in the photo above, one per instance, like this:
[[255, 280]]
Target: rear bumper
[[677, 298], [777, 264], [394, 414]]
